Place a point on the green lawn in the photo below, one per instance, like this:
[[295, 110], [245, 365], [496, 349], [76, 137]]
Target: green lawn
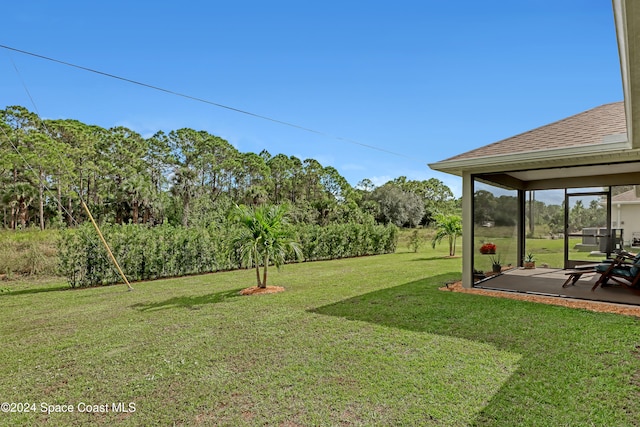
[[366, 341], [545, 251]]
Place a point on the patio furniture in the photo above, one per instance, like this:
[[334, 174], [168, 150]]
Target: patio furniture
[[623, 270], [577, 272]]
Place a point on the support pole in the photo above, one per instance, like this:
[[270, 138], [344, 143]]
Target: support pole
[[521, 226], [468, 237], [104, 242]]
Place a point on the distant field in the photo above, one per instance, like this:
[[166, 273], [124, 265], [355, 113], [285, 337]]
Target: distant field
[[29, 252], [545, 249]]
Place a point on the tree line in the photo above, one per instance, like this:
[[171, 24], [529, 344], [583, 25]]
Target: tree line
[[182, 177]]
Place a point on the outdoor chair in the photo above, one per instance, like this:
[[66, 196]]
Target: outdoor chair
[[624, 270]]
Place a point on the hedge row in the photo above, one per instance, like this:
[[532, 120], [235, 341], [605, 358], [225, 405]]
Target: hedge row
[[346, 240], [146, 253]]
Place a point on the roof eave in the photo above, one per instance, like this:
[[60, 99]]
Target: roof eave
[[618, 150], [622, 35], [627, 20]]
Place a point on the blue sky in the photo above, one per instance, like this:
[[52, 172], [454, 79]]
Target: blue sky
[[423, 79]]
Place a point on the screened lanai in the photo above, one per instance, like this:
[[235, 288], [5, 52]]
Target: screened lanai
[[550, 192]]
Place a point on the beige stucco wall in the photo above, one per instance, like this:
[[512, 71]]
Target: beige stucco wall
[[629, 215]]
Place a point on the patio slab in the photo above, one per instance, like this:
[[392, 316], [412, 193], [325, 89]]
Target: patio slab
[[548, 282]]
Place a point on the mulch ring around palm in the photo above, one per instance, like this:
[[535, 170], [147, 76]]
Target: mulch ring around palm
[[254, 290]]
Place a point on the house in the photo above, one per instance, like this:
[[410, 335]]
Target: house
[[626, 215], [594, 149]]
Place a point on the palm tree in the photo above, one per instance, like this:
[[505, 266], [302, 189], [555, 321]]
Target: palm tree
[[19, 196], [138, 189], [449, 226], [264, 237], [184, 187]]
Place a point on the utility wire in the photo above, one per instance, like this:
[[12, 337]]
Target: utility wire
[[205, 101], [113, 260], [38, 177]]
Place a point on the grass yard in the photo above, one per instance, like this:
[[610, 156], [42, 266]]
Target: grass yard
[[545, 251], [366, 341]]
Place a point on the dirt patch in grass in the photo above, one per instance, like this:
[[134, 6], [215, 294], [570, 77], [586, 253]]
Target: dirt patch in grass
[[254, 290], [565, 302]]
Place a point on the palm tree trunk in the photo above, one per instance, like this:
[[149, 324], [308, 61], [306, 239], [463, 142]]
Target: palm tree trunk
[[255, 257], [14, 216], [264, 272], [23, 212]]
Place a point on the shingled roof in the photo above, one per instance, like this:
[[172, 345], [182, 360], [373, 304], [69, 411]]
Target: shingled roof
[[587, 128], [626, 197]]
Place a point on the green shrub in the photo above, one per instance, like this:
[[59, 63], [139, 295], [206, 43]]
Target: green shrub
[[146, 253], [346, 240]]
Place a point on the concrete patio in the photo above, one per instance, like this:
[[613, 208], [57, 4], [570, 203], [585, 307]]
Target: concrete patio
[[548, 282]]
